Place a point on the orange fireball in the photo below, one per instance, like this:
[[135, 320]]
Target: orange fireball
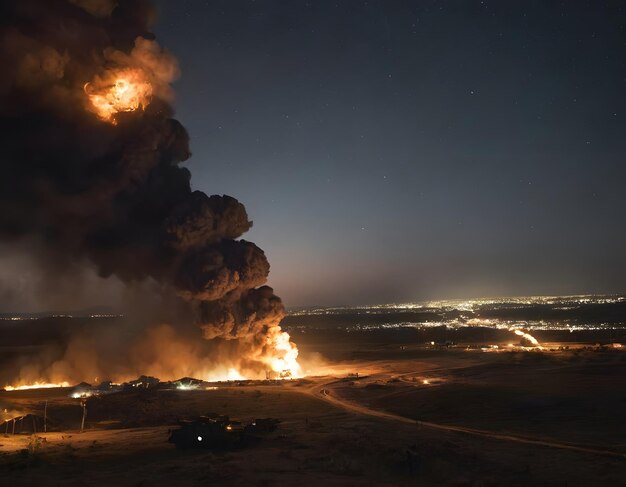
[[119, 91]]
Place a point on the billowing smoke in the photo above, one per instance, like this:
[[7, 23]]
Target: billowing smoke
[[91, 175]]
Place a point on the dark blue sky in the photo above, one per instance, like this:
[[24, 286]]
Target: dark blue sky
[[403, 150]]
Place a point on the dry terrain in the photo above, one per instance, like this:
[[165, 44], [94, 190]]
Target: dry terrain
[[463, 417]]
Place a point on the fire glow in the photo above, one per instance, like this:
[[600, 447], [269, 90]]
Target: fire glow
[[127, 91], [36, 385], [189, 241], [526, 336], [286, 363]]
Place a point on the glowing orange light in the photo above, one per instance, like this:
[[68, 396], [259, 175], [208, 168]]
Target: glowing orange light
[[285, 359], [526, 336], [36, 385], [126, 91]]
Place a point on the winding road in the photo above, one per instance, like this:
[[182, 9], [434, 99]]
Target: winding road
[[325, 392]]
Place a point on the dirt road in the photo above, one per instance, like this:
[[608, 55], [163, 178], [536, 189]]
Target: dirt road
[[326, 392]]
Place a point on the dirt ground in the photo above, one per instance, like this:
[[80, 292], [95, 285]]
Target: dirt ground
[[462, 418]]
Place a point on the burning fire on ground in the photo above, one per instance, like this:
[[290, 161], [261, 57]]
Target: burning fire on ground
[[119, 202], [526, 336], [36, 385]]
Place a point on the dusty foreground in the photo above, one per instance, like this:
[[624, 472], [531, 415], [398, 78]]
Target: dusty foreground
[[411, 417]]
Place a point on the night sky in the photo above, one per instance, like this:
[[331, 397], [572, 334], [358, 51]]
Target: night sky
[[398, 151]]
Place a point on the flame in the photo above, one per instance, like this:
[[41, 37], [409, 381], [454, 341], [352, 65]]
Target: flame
[[285, 359], [280, 357], [124, 90], [275, 358], [36, 385], [233, 374], [525, 335], [224, 375]]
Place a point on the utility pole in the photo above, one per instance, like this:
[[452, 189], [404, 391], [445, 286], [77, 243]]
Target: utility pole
[[83, 403], [45, 417]]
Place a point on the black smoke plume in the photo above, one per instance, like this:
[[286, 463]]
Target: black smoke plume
[[113, 193]]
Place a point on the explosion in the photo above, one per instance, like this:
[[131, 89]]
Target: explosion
[[93, 179], [127, 92], [285, 361]]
